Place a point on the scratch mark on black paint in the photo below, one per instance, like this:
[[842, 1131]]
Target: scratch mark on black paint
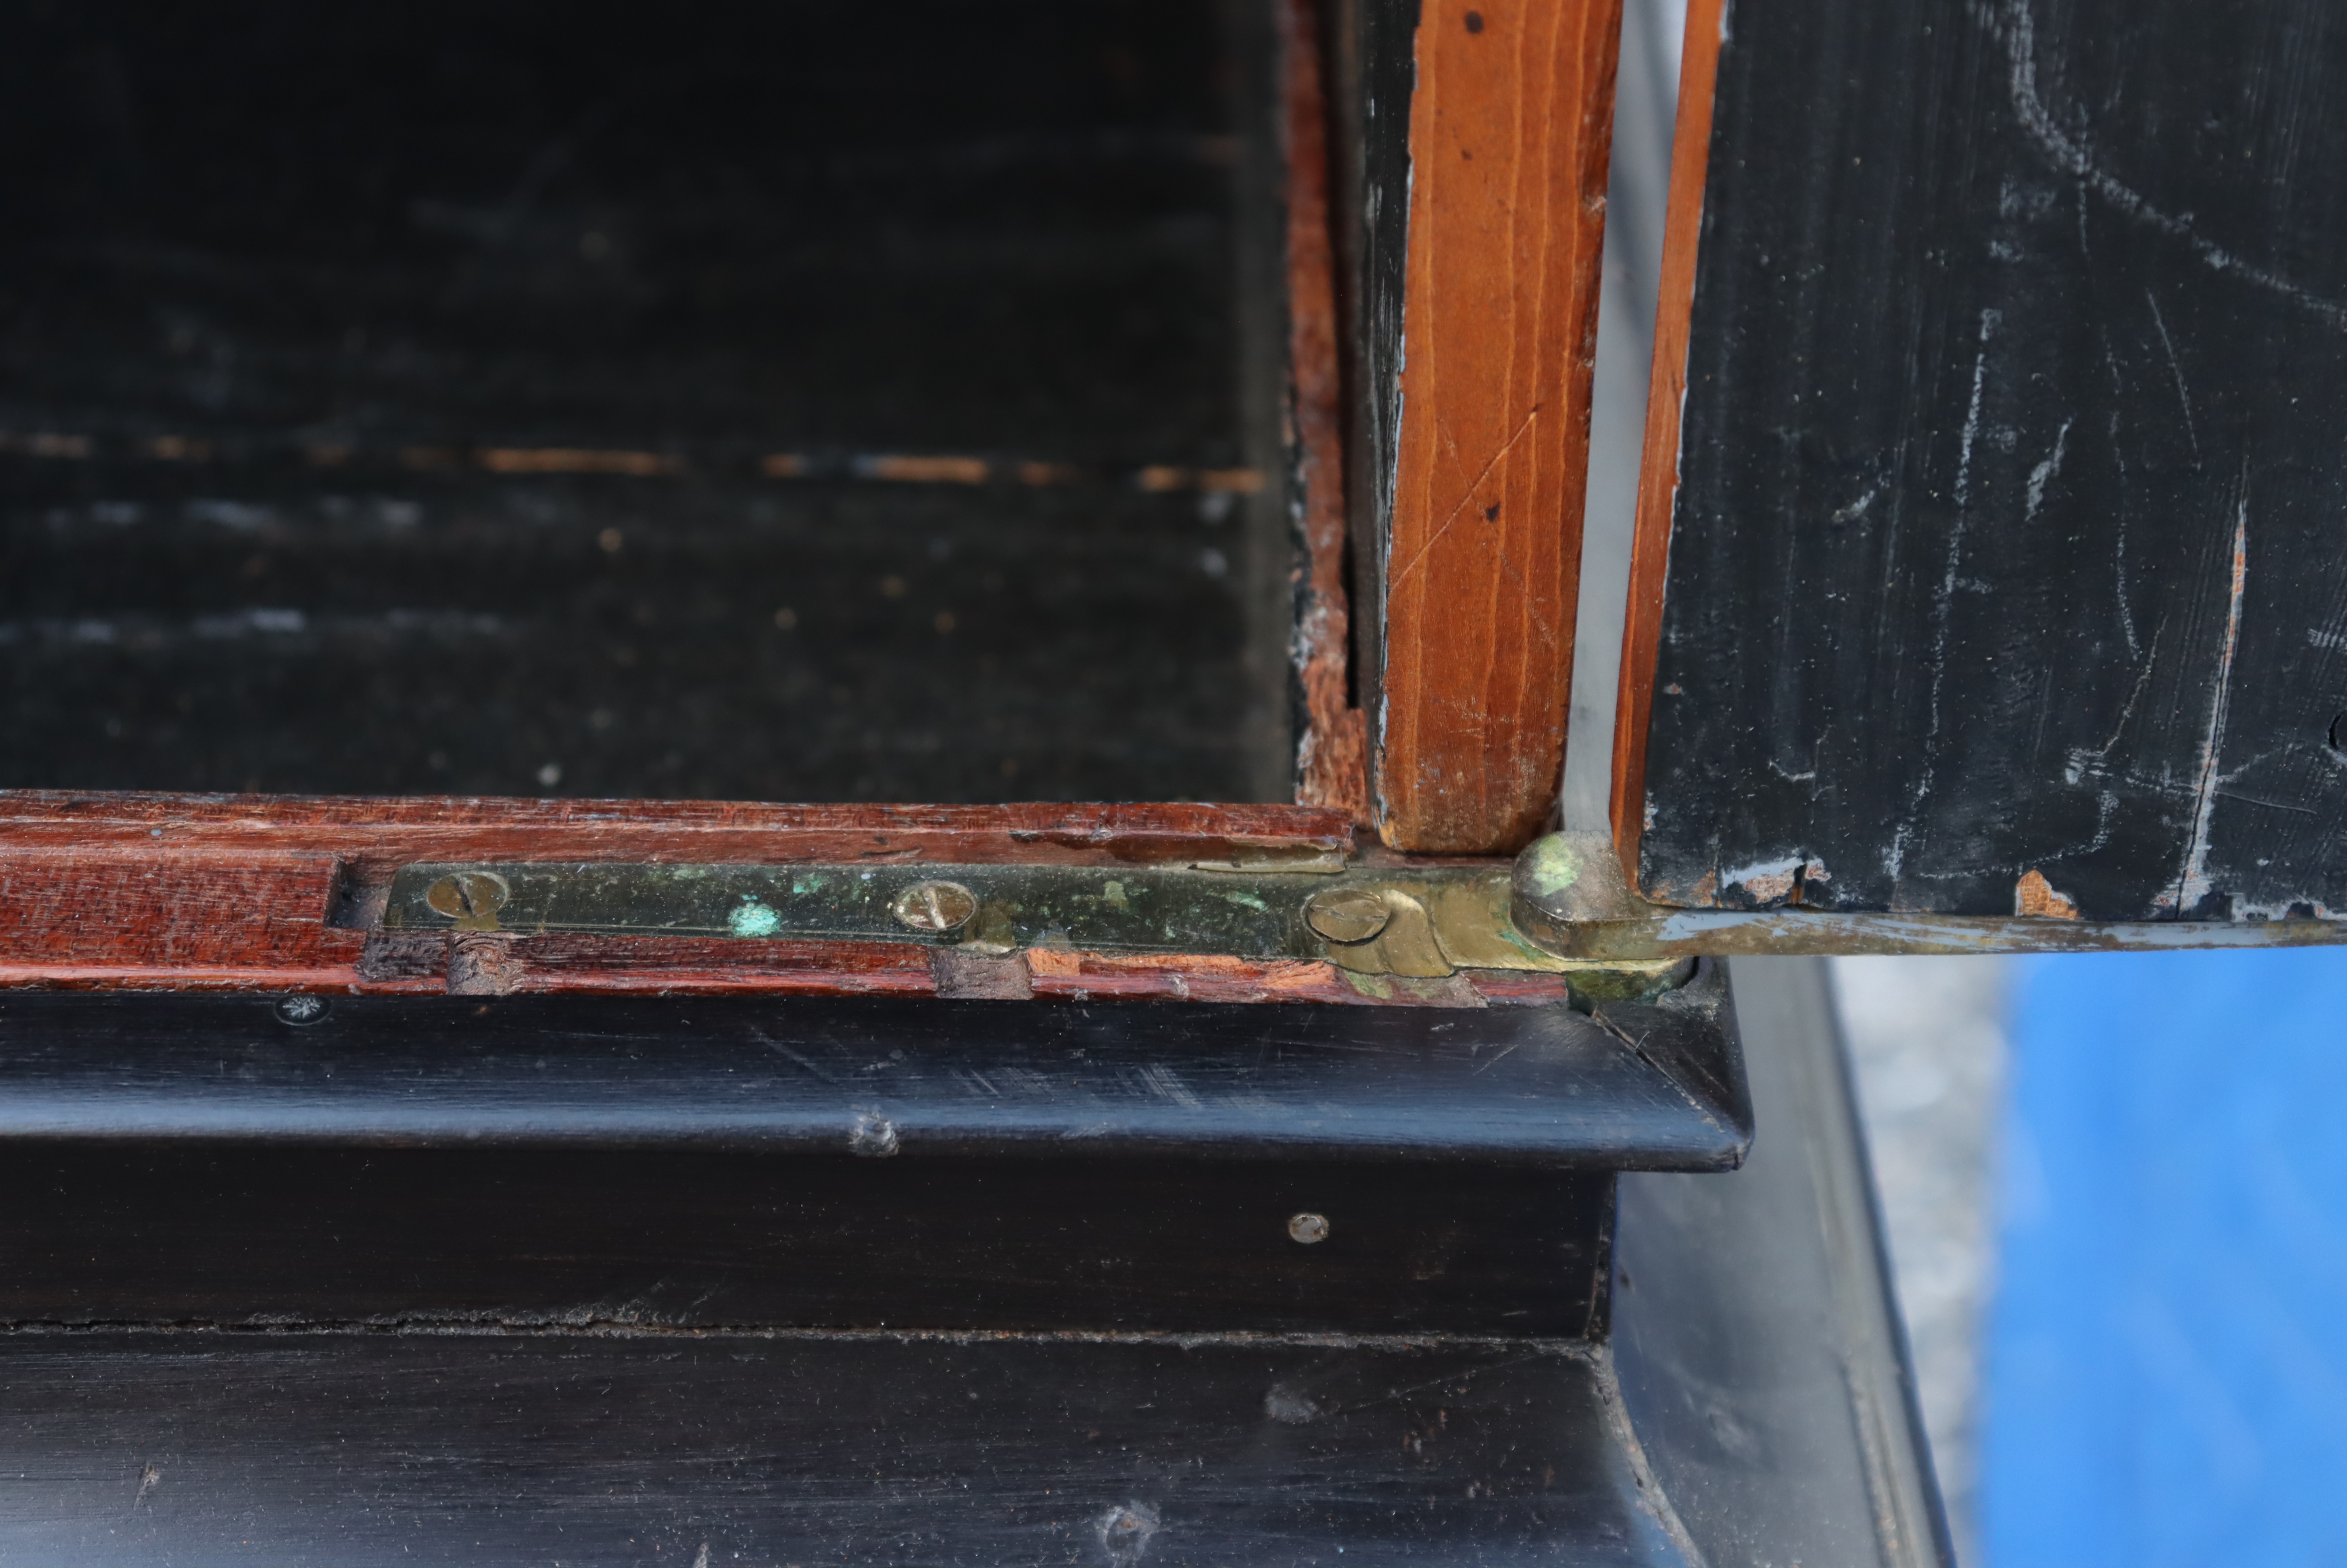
[[2107, 805], [2174, 369], [1495, 1060], [2118, 552], [764, 1039], [1944, 600], [2118, 452], [1858, 509], [2045, 472], [2083, 762], [1989, 320], [2070, 153], [2269, 804], [2192, 883]]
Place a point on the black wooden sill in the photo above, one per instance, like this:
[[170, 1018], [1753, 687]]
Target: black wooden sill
[[1641, 1087]]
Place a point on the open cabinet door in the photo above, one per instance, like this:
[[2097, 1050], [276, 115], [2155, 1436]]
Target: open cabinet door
[[1984, 567]]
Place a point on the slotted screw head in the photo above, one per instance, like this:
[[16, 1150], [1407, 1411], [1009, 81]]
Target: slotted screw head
[[933, 906], [1346, 914], [471, 899]]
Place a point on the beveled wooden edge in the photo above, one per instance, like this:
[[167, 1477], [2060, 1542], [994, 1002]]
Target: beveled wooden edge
[[1510, 124], [1332, 750], [1658, 474]]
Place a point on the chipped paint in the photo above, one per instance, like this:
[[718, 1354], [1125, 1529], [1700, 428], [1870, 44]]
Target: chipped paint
[[2033, 897], [2192, 884], [2045, 920], [1765, 881], [1736, 933], [1778, 881], [574, 460]]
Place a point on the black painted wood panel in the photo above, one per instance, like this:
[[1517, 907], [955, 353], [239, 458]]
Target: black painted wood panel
[[2009, 539], [195, 1448], [1374, 47], [838, 1163], [891, 1079], [253, 1234]]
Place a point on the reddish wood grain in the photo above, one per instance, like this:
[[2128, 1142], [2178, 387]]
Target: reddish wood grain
[[79, 916], [1332, 753], [368, 831], [689, 966], [235, 893], [1502, 988], [1511, 123], [125, 917], [1650, 547], [1081, 976]]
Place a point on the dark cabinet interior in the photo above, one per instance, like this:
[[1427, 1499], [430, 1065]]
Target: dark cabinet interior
[[708, 400]]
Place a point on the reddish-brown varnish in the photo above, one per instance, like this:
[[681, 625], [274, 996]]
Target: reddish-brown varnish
[[392, 830], [1658, 477], [1332, 753], [241, 893], [1510, 125]]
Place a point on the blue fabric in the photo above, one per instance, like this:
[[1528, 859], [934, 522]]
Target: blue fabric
[[2167, 1369]]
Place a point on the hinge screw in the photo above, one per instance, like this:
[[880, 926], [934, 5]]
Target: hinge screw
[[1346, 914], [933, 906], [471, 899]]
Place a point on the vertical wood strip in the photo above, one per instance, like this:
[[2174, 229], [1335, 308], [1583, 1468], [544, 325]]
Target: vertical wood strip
[[1510, 125], [1332, 752], [1658, 474]]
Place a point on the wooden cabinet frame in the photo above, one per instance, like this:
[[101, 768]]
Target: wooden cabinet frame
[[1444, 734]]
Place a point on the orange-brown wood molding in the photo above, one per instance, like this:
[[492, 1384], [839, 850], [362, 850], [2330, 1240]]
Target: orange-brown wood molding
[[1332, 753], [1511, 123], [284, 893], [1658, 477]]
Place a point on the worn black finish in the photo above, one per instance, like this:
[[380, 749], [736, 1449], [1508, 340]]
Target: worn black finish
[[242, 1235], [1374, 44], [220, 1348], [195, 1448], [2006, 538], [274, 281], [1755, 1334], [1534, 1086], [838, 1163]]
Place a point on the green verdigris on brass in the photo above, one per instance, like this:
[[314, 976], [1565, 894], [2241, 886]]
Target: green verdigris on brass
[[1442, 919]]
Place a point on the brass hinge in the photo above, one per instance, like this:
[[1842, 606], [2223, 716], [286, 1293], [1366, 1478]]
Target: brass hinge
[[1368, 920]]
